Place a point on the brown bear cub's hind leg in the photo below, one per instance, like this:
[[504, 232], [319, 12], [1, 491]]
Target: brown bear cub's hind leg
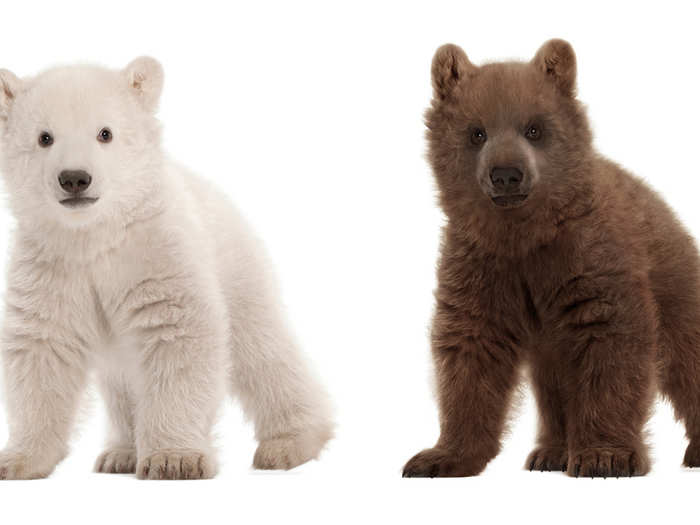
[[679, 356], [680, 377]]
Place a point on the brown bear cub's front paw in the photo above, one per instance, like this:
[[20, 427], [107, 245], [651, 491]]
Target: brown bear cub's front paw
[[546, 459], [692, 454], [608, 462], [442, 463]]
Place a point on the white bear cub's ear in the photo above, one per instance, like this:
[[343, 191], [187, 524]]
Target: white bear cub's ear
[[145, 78], [9, 87]]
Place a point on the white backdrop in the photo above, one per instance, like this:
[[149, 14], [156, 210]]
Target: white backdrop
[[309, 115]]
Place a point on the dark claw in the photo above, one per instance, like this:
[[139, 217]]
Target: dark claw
[[532, 463], [577, 470]]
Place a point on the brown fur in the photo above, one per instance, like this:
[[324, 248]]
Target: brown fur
[[591, 282]]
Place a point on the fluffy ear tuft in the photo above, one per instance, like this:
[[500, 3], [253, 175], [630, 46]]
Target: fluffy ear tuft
[[556, 58], [145, 78], [9, 87], [450, 66]]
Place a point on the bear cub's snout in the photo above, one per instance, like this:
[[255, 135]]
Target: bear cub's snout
[[507, 186]]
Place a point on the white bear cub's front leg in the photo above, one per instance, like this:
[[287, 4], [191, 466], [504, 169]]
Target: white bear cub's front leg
[[179, 337]]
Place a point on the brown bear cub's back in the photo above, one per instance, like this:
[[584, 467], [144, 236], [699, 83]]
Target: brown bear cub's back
[[555, 258]]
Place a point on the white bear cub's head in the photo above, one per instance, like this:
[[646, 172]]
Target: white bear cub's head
[[80, 145]]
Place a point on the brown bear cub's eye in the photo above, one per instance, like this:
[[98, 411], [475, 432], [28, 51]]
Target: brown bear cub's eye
[[478, 136], [533, 133], [45, 139], [105, 135]]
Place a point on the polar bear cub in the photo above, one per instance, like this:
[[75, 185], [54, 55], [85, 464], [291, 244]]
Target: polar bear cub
[[126, 263]]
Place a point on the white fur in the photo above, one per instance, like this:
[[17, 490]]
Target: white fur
[[160, 285]]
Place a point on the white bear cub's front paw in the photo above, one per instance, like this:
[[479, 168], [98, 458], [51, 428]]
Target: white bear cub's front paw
[[287, 452], [16, 465], [177, 464]]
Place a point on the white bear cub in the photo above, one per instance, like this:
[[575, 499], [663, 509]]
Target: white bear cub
[[125, 263]]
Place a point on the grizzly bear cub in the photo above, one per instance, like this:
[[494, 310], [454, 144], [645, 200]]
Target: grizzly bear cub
[[555, 258]]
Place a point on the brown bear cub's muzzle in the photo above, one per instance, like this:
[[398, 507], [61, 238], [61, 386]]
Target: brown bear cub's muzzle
[[507, 187]]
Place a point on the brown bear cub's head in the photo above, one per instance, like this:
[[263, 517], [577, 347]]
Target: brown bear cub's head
[[508, 141]]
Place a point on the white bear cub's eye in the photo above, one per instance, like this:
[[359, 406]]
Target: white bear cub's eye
[[105, 135], [45, 139]]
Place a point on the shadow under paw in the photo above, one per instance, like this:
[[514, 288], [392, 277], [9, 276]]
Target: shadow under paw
[[548, 459], [439, 463], [607, 462]]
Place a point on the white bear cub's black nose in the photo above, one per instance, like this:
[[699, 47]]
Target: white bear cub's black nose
[[74, 181]]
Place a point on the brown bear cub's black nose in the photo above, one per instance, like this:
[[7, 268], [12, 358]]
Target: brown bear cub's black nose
[[506, 180], [74, 181]]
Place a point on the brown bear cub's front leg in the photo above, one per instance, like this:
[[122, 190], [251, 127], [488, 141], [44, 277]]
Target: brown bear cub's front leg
[[556, 259], [600, 324], [477, 362]]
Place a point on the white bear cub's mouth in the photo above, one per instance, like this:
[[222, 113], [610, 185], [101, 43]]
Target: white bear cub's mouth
[[79, 202]]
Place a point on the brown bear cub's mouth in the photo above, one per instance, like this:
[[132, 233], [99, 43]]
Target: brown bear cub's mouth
[[509, 201]]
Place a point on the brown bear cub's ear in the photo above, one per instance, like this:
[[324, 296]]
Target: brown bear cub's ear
[[9, 87], [556, 58], [450, 67]]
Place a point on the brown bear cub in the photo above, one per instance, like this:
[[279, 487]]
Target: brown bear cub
[[555, 258]]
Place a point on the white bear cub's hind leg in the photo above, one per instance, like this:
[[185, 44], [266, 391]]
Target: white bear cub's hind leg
[[277, 391], [287, 404]]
